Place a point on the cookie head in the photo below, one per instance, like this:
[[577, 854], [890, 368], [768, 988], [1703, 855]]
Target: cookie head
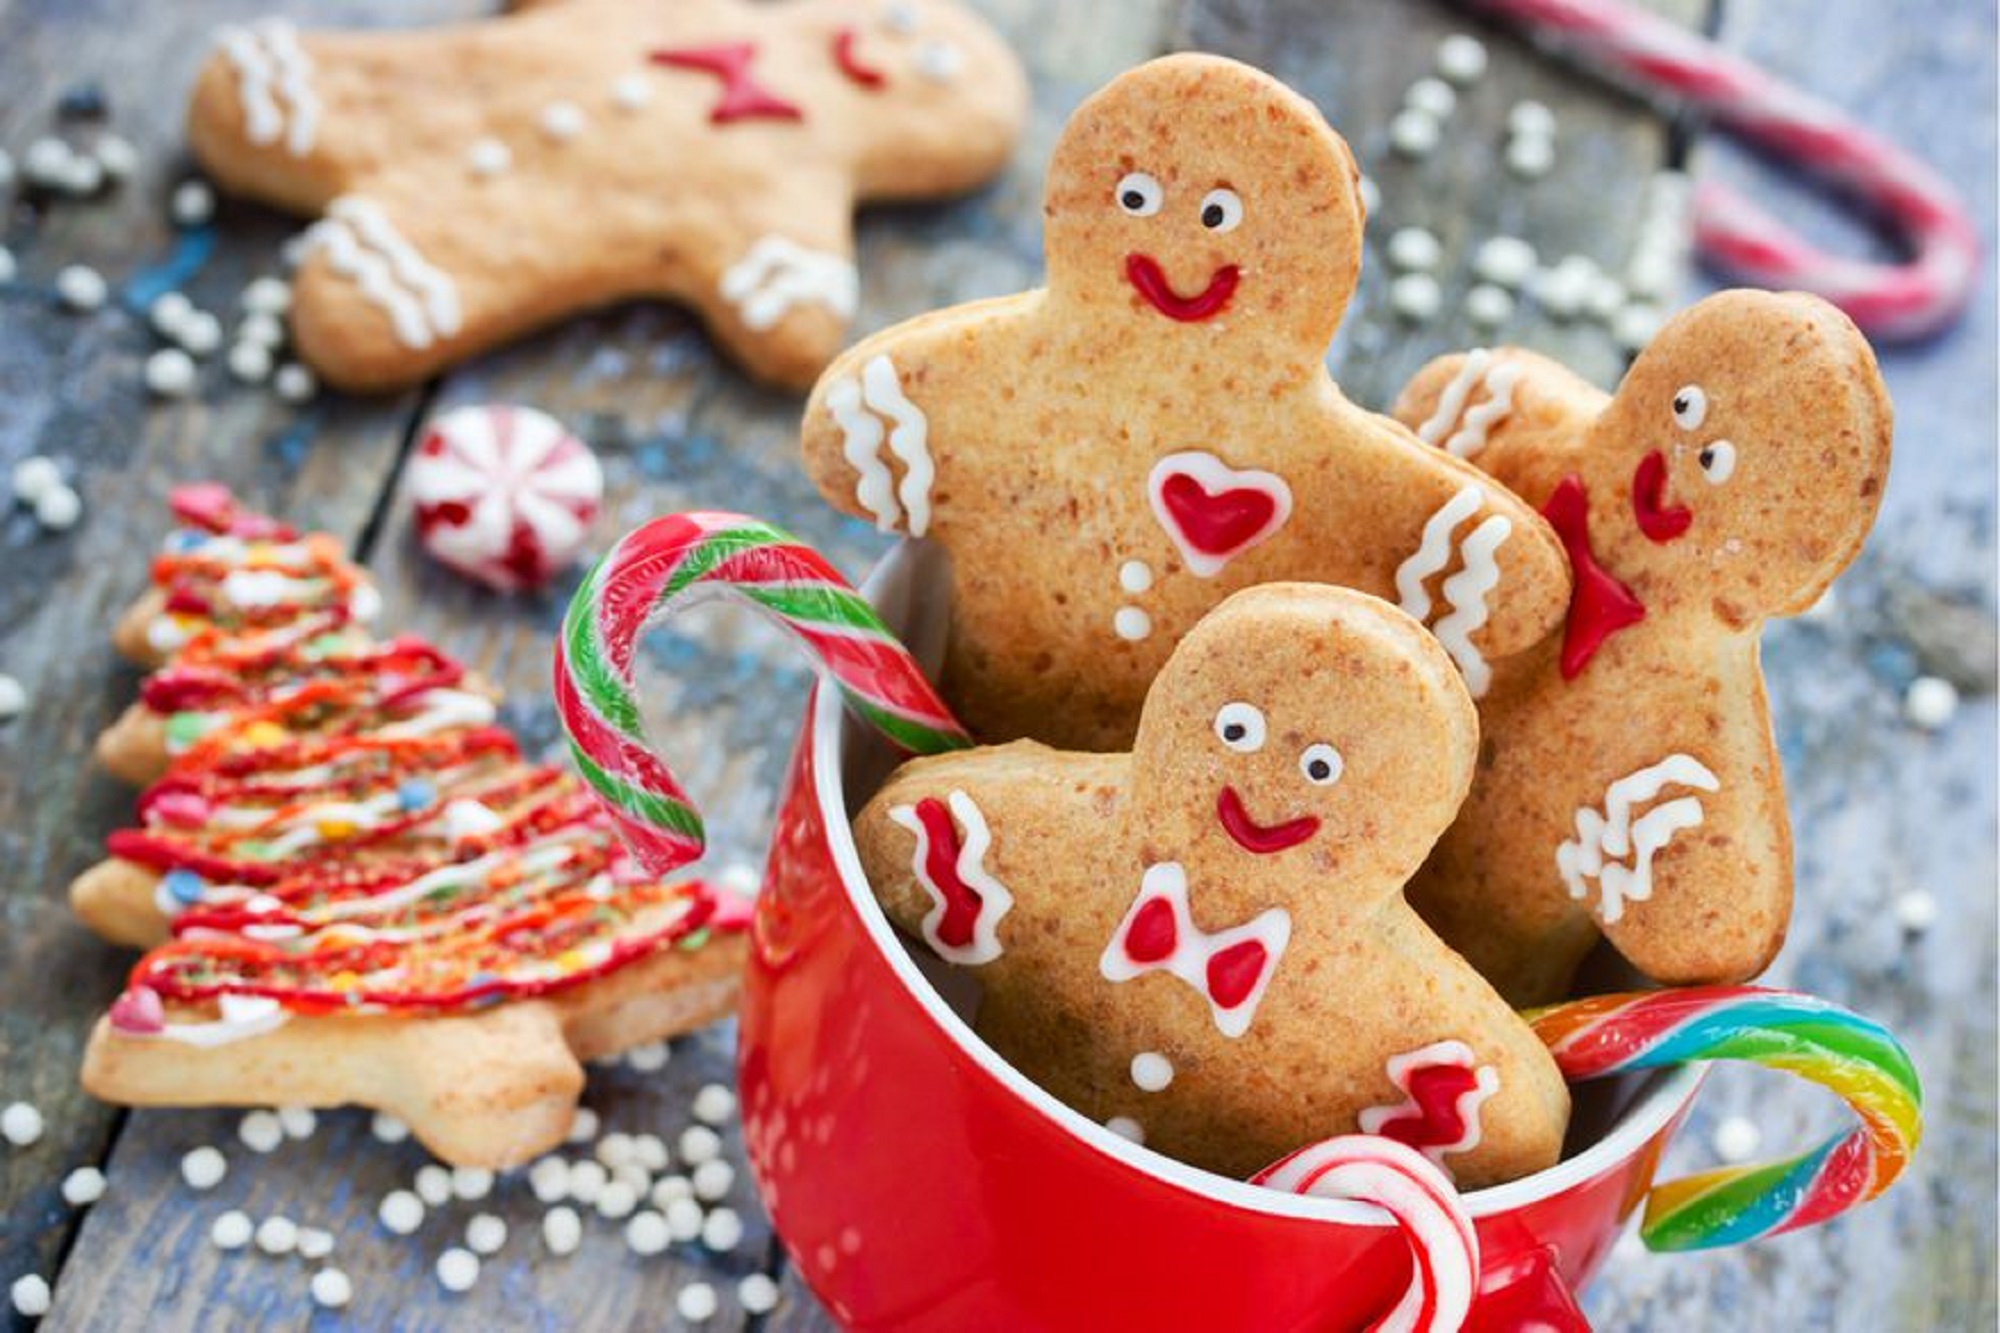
[[1305, 725], [1197, 193], [1752, 438]]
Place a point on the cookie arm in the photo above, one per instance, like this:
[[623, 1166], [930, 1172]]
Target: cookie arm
[[1516, 416]]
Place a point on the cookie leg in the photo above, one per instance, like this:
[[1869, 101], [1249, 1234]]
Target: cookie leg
[[675, 991], [134, 748], [118, 899]]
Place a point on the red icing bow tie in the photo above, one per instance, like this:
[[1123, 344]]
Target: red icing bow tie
[[1230, 967], [1599, 605]]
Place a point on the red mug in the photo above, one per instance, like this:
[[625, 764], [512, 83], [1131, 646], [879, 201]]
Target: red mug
[[920, 1182]]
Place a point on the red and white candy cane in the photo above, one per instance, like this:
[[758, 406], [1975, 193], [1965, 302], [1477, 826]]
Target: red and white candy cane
[[658, 567], [1906, 300], [1444, 1248]]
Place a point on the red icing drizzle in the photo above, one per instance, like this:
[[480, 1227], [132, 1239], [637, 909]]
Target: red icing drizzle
[[743, 98], [1152, 936], [851, 64], [962, 902], [1434, 1121], [1144, 273], [1649, 492], [1599, 605], [1217, 523], [1233, 973], [1261, 838]]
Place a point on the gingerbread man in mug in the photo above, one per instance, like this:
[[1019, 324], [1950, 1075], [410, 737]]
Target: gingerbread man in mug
[[1108, 458]]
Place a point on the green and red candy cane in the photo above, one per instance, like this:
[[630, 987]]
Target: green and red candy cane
[[658, 568]]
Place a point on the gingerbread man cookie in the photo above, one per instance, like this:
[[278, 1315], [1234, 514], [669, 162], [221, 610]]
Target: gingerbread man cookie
[[1629, 780], [1204, 942], [1109, 458], [481, 180]]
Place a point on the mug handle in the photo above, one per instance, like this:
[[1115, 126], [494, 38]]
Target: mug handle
[[1855, 1057], [1526, 1295]]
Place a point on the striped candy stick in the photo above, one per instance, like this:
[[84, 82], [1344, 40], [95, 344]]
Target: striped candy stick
[[1444, 1247], [1853, 1056], [1904, 300], [657, 568]]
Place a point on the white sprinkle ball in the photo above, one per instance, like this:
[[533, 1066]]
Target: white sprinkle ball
[[634, 1177], [170, 373], [203, 1168], [21, 1124], [6, 169], [261, 1131], [562, 1230], [489, 157], [647, 1234], [649, 1058], [1634, 326], [668, 1188], [1151, 1071], [615, 1149], [46, 162], [1461, 58], [562, 121], [59, 509], [1916, 911], [1125, 1127], [650, 1150], [401, 1212], [267, 296], [1414, 133], [249, 363], [712, 1179], [1508, 261], [715, 1103], [1416, 296], [684, 1218], [1488, 306], [1930, 702], [83, 1187], [277, 1234], [698, 1144], [7, 266], [1564, 289], [1531, 119], [485, 1234], [13, 698], [82, 177], [193, 203], [262, 328], [299, 1122], [457, 1269], [433, 1184], [631, 92], [387, 1128], [200, 333], [315, 1242], [294, 383], [588, 1181], [1736, 1139], [617, 1199], [1433, 97], [696, 1302], [1413, 249], [757, 1294], [31, 1295], [1606, 297], [34, 476], [1371, 195], [331, 1289], [548, 1178], [722, 1230], [1530, 157], [167, 312], [232, 1230], [471, 1182], [81, 288], [584, 1127]]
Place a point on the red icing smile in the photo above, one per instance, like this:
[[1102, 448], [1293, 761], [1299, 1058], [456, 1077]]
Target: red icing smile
[[1144, 274], [1649, 493], [1261, 838], [851, 64]]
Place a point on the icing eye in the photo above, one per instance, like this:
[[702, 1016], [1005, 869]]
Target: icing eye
[[1139, 195], [1321, 764], [1718, 461], [901, 17], [1221, 210], [1240, 727], [1690, 407], [939, 61]]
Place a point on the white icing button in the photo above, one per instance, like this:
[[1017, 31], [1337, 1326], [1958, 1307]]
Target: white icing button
[[433, 1185], [31, 1295], [485, 1234], [331, 1289], [647, 1235], [1131, 623], [1152, 1071], [81, 287], [939, 61], [34, 476], [1135, 576], [1488, 306], [562, 121], [401, 1212], [1414, 133], [1416, 297], [699, 1144], [697, 1302], [1413, 249], [170, 373], [1532, 119], [722, 1230], [203, 1168], [490, 157], [1930, 702], [261, 1131], [1916, 911], [1736, 1139], [387, 1128], [1125, 1127], [277, 1235], [712, 1179], [232, 1230], [1461, 58], [1529, 157], [683, 1218], [757, 1294], [902, 17], [83, 1187], [1508, 261], [562, 1230], [1433, 97], [631, 92], [457, 1269], [193, 203]]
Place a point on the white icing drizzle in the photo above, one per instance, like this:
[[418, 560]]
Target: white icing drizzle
[[1464, 592], [779, 273], [242, 1016], [443, 708], [994, 899], [1604, 841], [1478, 371], [1486, 1082], [1193, 947], [859, 408], [271, 67], [361, 244]]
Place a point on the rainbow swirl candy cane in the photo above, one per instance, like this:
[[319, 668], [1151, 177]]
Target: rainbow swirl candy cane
[[1853, 1056], [658, 567], [1444, 1248]]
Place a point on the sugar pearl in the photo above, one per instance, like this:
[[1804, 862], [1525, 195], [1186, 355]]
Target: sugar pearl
[[698, 1144], [1125, 1127], [562, 1230], [7, 266], [83, 1187], [21, 1124], [1488, 306], [1736, 1139], [1930, 702], [1606, 298], [294, 383], [298, 1121], [6, 169], [193, 204], [696, 1302], [712, 1179], [82, 177], [471, 1182], [170, 373], [331, 1289], [1532, 119], [31, 1296], [615, 1150], [489, 157], [714, 1104], [1916, 911], [584, 1127], [1506, 260], [387, 1128], [1414, 133], [1416, 296], [562, 121], [1634, 326], [636, 1177], [433, 1185], [261, 1131], [59, 509], [401, 1212], [647, 1234], [722, 1230], [249, 363], [315, 1242], [1461, 58], [34, 476], [1565, 289], [46, 162], [13, 698], [81, 287], [203, 1168], [1433, 97], [262, 328], [277, 1235], [232, 1230], [587, 1181], [200, 333], [267, 296], [649, 1058], [167, 312], [684, 1218], [1413, 249], [630, 92], [549, 1179], [617, 1199], [485, 1234], [1371, 195], [1530, 157], [757, 1294], [668, 1188], [457, 1269], [650, 1150]]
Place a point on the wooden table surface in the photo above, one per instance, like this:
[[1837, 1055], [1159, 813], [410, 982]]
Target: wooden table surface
[[1881, 809]]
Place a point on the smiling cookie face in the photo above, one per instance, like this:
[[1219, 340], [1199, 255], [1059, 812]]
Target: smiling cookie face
[[1303, 725], [1198, 193], [1750, 444]]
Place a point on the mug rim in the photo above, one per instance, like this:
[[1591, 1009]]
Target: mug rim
[[1653, 1110]]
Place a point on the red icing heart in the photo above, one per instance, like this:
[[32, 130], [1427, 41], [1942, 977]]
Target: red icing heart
[[1215, 512], [1234, 972], [1152, 936], [139, 1011]]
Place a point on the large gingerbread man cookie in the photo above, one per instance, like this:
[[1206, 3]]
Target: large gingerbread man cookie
[[1109, 458], [1205, 942], [481, 180], [1629, 780]]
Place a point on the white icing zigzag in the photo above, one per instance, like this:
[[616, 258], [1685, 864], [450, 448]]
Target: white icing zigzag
[[1604, 841], [778, 274], [994, 899], [1401, 1068], [1477, 371], [271, 69], [362, 244], [1465, 592], [858, 408]]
